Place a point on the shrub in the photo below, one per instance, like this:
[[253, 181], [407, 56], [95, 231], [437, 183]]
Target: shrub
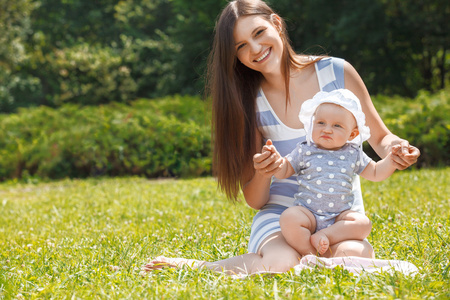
[[149, 138], [91, 74], [169, 137], [424, 121], [83, 74], [18, 90]]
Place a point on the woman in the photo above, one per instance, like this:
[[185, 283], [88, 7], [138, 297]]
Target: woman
[[258, 84]]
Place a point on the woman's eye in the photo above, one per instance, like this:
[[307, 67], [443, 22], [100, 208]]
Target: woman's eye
[[240, 47], [259, 32]]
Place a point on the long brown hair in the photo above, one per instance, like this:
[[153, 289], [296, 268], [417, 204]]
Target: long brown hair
[[233, 88]]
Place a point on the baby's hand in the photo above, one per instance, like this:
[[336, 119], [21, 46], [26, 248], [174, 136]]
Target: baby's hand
[[269, 147]]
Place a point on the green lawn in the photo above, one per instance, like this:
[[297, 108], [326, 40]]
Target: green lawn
[[89, 239]]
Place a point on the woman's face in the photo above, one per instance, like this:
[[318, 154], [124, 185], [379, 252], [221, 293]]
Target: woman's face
[[258, 43]]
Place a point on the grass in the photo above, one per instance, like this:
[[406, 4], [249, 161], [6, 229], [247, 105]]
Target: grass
[[89, 239]]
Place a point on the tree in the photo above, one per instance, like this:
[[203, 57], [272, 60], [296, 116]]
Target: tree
[[421, 29], [14, 26], [398, 47]]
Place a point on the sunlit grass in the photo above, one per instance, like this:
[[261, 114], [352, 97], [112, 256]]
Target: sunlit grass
[[89, 239]]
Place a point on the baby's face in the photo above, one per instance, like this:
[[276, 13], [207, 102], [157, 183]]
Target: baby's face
[[333, 126]]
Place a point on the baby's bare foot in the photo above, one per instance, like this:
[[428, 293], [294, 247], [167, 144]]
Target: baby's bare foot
[[320, 241]]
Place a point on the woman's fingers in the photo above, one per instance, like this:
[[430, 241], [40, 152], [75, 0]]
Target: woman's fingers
[[266, 163], [274, 167], [403, 159], [404, 147], [398, 161], [260, 157], [404, 154], [413, 153]]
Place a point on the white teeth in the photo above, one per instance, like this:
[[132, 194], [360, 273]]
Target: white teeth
[[264, 55]]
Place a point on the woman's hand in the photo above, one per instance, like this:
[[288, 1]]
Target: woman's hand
[[268, 162], [404, 154]]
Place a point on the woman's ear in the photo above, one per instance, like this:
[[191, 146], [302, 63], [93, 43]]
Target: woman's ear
[[276, 21], [354, 133]]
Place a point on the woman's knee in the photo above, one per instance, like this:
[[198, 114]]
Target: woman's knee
[[364, 224], [353, 248], [277, 255], [281, 261], [358, 219]]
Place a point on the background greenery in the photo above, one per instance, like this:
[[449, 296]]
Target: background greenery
[[75, 82], [170, 137], [154, 138], [92, 52], [88, 239]]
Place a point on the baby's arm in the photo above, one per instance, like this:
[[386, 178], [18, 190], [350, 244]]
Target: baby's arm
[[286, 170], [379, 171]]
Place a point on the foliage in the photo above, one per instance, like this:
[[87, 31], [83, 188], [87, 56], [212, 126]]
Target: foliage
[[152, 63], [14, 27], [399, 47], [89, 238], [423, 121], [393, 44], [83, 74], [170, 136], [67, 23], [164, 137]]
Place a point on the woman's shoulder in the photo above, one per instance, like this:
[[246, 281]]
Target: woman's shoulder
[[330, 73]]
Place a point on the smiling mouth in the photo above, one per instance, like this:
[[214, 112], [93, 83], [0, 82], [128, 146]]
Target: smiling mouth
[[265, 54]]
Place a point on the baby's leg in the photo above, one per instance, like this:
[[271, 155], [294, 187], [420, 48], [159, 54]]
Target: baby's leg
[[349, 225], [297, 223]]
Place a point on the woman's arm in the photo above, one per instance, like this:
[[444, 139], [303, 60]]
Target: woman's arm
[[381, 139]]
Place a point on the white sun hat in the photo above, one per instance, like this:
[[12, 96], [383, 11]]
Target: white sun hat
[[341, 97]]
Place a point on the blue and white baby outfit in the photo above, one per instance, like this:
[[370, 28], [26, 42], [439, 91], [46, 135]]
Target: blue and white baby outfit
[[325, 179], [325, 176]]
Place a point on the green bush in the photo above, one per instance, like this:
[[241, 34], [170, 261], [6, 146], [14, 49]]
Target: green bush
[[169, 137], [18, 90], [83, 74], [424, 121], [153, 138], [90, 74]]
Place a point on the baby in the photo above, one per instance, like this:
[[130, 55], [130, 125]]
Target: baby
[[325, 164]]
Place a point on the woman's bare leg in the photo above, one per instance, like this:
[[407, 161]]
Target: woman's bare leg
[[274, 256], [351, 248]]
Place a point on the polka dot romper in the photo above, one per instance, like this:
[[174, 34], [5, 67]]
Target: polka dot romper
[[325, 179]]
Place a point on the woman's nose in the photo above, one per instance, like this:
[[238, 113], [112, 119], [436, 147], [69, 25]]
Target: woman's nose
[[255, 47]]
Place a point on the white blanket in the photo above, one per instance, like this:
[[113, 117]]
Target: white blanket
[[356, 265]]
